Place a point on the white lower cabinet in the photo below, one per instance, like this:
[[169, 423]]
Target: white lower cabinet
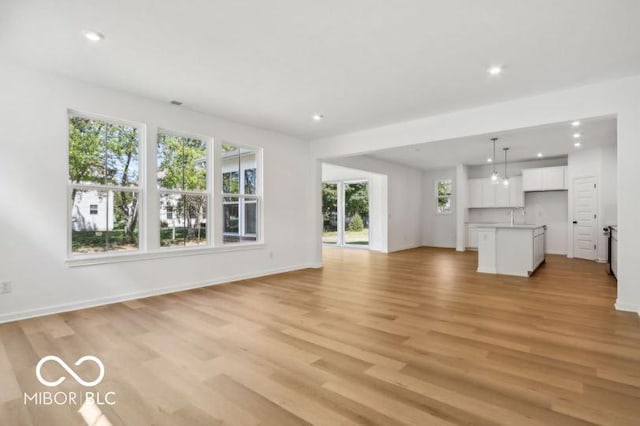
[[538, 248], [472, 236]]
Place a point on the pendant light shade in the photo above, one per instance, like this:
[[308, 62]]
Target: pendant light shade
[[505, 179], [494, 175]]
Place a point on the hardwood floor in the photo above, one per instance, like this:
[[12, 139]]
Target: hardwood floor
[[415, 337]]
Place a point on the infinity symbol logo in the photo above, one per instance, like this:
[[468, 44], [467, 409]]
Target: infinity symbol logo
[[69, 370]]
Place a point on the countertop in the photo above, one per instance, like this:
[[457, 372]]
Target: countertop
[[508, 226]]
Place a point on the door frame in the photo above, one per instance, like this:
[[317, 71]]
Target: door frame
[[341, 212], [596, 225]]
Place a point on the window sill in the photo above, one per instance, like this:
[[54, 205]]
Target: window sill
[[102, 259]]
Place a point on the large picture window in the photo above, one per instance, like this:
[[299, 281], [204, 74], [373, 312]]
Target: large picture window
[[104, 170], [182, 182], [108, 190], [240, 195]]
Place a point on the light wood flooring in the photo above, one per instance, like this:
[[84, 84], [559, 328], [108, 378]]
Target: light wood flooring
[[414, 337]]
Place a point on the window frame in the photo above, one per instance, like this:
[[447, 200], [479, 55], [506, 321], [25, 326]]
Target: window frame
[[149, 195], [210, 158], [257, 196], [450, 196], [140, 188]]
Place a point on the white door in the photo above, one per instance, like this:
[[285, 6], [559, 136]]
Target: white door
[[585, 223]]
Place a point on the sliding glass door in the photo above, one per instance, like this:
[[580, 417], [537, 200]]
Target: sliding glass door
[[345, 209], [330, 220]]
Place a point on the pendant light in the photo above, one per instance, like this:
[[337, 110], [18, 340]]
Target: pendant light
[[494, 174], [505, 179]]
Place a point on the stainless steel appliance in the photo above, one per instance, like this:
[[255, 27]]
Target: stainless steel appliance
[[612, 249]]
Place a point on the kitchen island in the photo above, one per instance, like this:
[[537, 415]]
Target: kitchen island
[[510, 249]]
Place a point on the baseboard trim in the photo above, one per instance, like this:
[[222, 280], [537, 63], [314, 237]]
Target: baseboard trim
[[441, 246], [92, 303], [627, 307], [563, 253], [414, 246]]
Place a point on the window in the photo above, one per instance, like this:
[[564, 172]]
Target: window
[[182, 181], [240, 194], [104, 190], [443, 196], [106, 185]]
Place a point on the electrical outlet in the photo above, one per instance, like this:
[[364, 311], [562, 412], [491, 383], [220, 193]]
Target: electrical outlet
[[5, 287]]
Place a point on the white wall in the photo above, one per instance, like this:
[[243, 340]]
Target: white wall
[[377, 200], [404, 199], [33, 209], [462, 201], [600, 163], [438, 230], [620, 98]]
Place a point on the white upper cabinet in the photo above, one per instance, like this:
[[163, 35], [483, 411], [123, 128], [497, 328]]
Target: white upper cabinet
[[502, 194], [553, 178], [531, 179], [488, 193], [545, 179], [475, 192], [483, 193], [516, 194]]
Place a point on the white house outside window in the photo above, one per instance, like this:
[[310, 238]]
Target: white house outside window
[[104, 169], [107, 189]]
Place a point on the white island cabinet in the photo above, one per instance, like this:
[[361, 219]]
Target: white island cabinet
[[510, 249]]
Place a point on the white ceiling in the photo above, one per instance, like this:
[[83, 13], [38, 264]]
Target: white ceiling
[[361, 63], [552, 140]]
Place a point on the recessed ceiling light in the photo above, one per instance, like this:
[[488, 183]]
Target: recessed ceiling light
[[93, 35], [317, 117], [577, 144], [495, 70], [576, 135], [539, 155], [575, 123], [489, 160]]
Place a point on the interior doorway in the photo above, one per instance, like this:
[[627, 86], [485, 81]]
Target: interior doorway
[[585, 225], [345, 211]]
